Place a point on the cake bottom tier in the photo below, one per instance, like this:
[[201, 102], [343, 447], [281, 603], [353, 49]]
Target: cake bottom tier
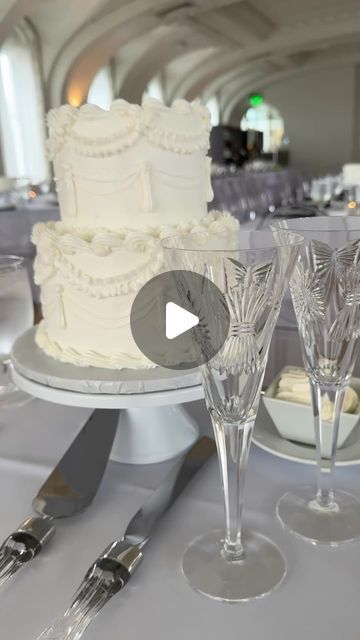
[[89, 280], [93, 351]]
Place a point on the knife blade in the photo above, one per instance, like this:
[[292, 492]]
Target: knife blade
[[113, 569], [70, 488]]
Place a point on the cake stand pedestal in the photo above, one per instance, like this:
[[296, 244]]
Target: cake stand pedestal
[[153, 424]]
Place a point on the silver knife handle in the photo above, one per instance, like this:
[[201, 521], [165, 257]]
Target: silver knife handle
[[106, 577], [23, 545]]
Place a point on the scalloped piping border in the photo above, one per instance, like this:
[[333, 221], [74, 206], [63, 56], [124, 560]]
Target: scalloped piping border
[[71, 355], [55, 242]]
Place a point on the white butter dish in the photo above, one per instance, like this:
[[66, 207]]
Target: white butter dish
[[294, 421]]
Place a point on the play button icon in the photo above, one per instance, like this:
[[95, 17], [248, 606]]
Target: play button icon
[[179, 319]]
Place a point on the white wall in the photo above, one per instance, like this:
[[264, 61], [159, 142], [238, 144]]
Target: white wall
[[318, 110]]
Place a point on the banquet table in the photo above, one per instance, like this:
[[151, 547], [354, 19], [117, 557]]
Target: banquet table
[[15, 232], [246, 193], [319, 598], [16, 226]]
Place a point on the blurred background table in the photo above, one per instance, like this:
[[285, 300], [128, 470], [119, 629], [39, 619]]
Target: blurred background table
[[249, 195], [16, 226]]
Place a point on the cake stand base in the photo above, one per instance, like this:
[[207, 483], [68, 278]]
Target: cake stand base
[[153, 424], [156, 434]]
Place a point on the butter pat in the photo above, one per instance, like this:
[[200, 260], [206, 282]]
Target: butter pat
[[294, 386]]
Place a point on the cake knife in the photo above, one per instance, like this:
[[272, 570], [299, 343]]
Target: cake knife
[[69, 489], [115, 566]]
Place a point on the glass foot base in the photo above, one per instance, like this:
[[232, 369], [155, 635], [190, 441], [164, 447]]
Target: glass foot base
[[261, 570], [12, 397], [298, 512]]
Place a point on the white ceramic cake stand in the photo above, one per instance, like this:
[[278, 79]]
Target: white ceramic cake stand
[[153, 424]]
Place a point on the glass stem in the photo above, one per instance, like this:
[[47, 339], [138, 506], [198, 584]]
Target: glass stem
[[233, 445], [326, 432]]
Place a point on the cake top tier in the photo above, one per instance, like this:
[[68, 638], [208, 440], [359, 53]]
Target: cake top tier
[[182, 128], [132, 166]]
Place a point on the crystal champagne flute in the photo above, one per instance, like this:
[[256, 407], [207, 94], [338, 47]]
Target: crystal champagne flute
[[325, 289], [16, 315], [252, 270]]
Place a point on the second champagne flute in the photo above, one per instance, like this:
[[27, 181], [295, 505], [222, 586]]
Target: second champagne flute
[[325, 289], [252, 270]]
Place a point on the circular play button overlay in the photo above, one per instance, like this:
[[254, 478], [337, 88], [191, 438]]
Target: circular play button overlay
[[179, 320]]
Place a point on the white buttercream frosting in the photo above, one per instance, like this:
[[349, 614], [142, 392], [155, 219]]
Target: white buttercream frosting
[[126, 178], [140, 164], [90, 358], [89, 279]]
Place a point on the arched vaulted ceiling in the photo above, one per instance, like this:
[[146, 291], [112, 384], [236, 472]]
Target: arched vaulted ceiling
[[200, 47], [12, 11]]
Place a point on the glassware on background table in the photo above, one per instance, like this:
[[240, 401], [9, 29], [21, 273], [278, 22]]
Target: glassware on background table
[[286, 192], [21, 190], [16, 315], [325, 289], [320, 192], [252, 270], [352, 200]]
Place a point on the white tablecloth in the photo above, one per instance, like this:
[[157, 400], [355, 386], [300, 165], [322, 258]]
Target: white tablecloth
[[319, 599]]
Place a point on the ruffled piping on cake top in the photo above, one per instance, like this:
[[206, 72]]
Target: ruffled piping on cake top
[[150, 121]]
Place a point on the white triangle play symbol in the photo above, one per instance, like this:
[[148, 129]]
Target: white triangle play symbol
[[178, 320]]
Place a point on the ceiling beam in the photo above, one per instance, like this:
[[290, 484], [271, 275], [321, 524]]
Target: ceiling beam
[[243, 24], [84, 68], [294, 48], [11, 12], [154, 59], [215, 37], [107, 36], [223, 26], [256, 22]]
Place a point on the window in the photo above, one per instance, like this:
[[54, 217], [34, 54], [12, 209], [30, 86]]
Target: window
[[22, 118], [101, 91], [267, 119], [213, 106], [154, 89]]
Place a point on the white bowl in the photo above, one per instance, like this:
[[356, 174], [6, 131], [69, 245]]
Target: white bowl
[[294, 421]]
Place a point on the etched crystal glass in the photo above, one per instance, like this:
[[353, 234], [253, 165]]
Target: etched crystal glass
[[252, 270], [325, 289]]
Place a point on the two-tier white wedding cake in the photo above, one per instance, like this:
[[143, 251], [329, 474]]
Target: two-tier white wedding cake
[[125, 178]]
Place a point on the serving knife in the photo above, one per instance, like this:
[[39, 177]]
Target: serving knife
[[114, 567], [70, 488]]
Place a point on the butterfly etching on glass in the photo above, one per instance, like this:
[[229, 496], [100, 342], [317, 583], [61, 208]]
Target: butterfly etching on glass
[[339, 272], [249, 292], [328, 263], [309, 302], [347, 324]]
